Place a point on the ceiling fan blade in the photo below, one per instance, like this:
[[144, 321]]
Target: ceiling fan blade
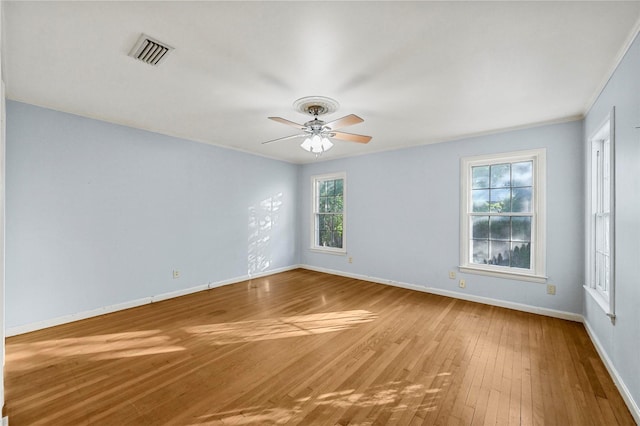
[[348, 120], [351, 137], [285, 138], [287, 122]]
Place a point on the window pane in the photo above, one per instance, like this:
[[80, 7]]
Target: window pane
[[607, 272], [322, 188], [500, 175], [521, 228], [480, 200], [522, 174], [521, 255], [339, 187], [500, 200], [480, 249], [337, 222], [606, 234], [606, 166], [480, 177], [500, 228], [480, 227], [600, 232], [324, 222], [330, 184], [322, 204], [324, 238], [334, 204], [521, 200], [499, 253], [336, 239]]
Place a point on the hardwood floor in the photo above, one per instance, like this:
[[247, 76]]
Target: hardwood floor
[[307, 348]]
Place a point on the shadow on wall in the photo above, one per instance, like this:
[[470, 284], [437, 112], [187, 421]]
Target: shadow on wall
[[263, 218]]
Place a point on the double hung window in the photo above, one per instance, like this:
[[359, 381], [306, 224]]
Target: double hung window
[[502, 217], [329, 198], [600, 221]]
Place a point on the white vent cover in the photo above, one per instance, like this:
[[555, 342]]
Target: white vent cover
[[150, 50]]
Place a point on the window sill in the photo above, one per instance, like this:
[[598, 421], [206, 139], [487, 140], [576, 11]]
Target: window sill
[[336, 252], [599, 299], [501, 274]]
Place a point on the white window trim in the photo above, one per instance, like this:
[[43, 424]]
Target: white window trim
[[538, 227], [606, 301], [321, 249]]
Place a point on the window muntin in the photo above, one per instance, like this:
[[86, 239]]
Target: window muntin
[[328, 213], [502, 218]]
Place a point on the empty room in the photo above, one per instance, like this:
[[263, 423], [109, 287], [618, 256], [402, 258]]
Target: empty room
[[320, 213]]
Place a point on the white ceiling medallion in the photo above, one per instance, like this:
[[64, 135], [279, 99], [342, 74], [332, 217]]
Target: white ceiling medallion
[[316, 105]]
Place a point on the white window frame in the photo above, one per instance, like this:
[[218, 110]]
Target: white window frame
[[537, 271], [314, 213], [600, 193]]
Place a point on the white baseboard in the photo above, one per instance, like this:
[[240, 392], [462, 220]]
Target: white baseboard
[[456, 295], [624, 391], [14, 331]]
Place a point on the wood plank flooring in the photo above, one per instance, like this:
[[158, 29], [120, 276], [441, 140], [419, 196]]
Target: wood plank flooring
[[312, 349]]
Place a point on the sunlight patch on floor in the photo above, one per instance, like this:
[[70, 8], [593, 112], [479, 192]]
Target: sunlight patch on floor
[[279, 328], [395, 396], [100, 347]]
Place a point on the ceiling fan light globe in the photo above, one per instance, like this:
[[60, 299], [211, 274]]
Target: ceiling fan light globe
[[316, 143], [326, 144], [306, 144]]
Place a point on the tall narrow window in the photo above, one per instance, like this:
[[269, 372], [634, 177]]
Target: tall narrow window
[[600, 224], [502, 218], [329, 197]]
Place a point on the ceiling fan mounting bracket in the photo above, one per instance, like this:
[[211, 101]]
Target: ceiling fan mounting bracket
[[316, 105]]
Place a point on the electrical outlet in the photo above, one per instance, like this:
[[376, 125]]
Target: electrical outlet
[[350, 259], [551, 289], [452, 275], [462, 284], [176, 274]]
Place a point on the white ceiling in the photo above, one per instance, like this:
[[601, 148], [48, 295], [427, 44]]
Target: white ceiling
[[416, 72]]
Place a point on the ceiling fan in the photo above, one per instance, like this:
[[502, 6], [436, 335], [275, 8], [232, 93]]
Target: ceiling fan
[[316, 132]]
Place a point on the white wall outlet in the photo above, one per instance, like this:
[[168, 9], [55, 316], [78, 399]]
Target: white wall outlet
[[350, 259], [176, 274], [462, 284], [452, 275], [551, 289]]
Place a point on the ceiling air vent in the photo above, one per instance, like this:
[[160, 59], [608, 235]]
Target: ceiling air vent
[[150, 50]]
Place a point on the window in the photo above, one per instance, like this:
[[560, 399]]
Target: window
[[329, 213], [502, 217], [600, 223]]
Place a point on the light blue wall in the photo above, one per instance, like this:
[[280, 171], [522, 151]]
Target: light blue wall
[[403, 216], [621, 341], [100, 214]]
